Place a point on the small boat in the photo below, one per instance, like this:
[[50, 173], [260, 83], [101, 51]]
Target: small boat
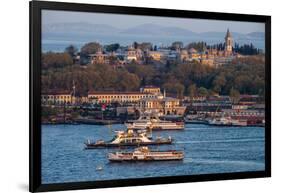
[[145, 154], [99, 168], [220, 121], [195, 119], [153, 122], [227, 121], [128, 138], [239, 122]]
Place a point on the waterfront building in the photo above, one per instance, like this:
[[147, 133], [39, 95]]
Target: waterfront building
[[151, 89], [121, 97], [195, 98], [162, 106], [57, 97]]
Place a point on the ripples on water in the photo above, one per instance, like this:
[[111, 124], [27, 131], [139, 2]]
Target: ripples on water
[[207, 150]]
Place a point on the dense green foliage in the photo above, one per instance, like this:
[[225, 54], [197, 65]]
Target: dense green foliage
[[246, 49], [112, 47], [177, 45], [243, 76], [90, 48], [199, 46], [56, 60], [71, 50], [143, 46], [99, 77]]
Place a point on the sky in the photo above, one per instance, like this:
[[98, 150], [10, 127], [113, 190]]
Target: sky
[[126, 21]]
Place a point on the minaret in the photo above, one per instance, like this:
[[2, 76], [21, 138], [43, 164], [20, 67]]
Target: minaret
[[228, 42], [73, 92]]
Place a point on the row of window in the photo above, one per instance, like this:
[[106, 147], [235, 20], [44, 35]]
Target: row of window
[[56, 97], [121, 96]]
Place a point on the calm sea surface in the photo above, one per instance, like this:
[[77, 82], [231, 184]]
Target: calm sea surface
[[58, 43], [208, 149]]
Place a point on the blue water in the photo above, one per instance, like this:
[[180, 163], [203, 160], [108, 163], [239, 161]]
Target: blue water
[[58, 43], [208, 149]]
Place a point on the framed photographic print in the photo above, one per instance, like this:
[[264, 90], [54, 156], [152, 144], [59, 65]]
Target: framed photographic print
[[126, 96]]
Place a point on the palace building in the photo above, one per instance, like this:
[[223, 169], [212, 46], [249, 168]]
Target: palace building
[[214, 57], [121, 97], [57, 97], [134, 54], [99, 57]]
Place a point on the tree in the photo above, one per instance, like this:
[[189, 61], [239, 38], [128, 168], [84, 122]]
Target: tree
[[155, 48], [71, 50], [247, 49], [56, 60], [192, 90], [180, 90], [219, 82], [177, 45], [202, 91], [90, 48], [234, 95], [174, 87], [112, 47], [145, 46], [127, 81], [199, 46]]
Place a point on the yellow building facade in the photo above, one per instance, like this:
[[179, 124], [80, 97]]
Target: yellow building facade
[[122, 97], [57, 98]]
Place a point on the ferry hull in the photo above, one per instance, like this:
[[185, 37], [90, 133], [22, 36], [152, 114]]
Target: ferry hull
[[139, 127], [146, 160], [109, 145], [132, 158]]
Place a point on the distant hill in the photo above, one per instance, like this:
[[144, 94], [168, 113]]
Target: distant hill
[[153, 29], [80, 28], [256, 34]]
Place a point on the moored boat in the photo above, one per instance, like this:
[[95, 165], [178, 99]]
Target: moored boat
[[128, 138], [145, 154], [239, 122], [220, 121], [153, 122], [227, 121]]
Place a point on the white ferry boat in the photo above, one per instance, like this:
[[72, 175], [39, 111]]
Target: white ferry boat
[[128, 138], [145, 154], [153, 122]]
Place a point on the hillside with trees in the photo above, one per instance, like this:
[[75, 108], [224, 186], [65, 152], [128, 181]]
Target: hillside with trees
[[245, 75]]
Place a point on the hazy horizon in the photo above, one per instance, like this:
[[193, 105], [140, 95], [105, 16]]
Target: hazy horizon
[[123, 22]]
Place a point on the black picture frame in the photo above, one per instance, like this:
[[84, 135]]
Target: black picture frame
[[35, 184]]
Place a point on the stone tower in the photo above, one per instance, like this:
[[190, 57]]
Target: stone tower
[[228, 42]]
